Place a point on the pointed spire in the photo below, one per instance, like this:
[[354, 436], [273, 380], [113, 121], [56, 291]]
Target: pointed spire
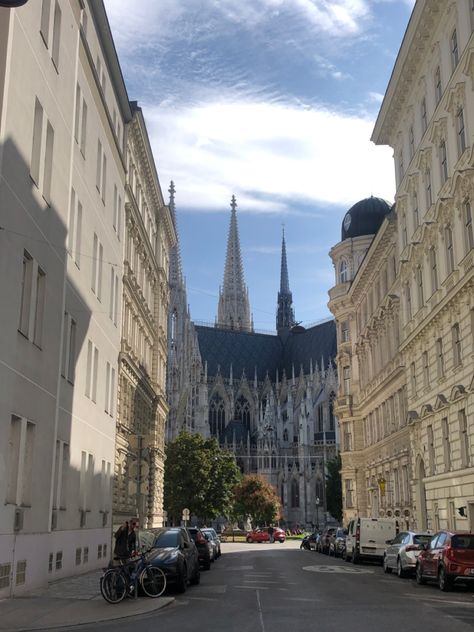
[[234, 308], [285, 316]]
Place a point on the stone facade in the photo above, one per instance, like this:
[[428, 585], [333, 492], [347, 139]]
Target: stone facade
[[142, 406]]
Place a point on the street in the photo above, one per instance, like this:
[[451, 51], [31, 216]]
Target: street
[[267, 587]]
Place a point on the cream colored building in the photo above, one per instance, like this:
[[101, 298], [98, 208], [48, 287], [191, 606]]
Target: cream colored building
[[427, 117], [63, 114], [142, 408]]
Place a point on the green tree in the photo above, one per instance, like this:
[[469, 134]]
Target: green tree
[[334, 488], [255, 497], [199, 476]]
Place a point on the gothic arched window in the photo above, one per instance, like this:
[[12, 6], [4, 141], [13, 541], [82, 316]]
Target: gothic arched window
[[242, 412], [266, 462], [319, 490], [285, 435], [173, 328], [343, 271], [332, 397], [295, 493], [217, 416]]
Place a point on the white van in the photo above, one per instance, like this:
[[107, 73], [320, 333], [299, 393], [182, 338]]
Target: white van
[[367, 538]]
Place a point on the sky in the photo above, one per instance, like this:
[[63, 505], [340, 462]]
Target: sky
[[273, 101]]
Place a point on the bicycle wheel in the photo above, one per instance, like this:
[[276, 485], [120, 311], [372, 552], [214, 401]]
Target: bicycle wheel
[[113, 586], [153, 581]]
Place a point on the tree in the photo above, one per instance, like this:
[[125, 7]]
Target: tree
[[199, 476], [255, 497], [334, 488]]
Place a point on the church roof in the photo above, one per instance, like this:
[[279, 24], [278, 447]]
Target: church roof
[[267, 353]]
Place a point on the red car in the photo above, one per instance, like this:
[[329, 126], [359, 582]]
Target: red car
[[448, 559], [263, 535]]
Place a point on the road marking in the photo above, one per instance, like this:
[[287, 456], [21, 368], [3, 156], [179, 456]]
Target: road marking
[[254, 587], [239, 568], [202, 598], [301, 599], [349, 570], [260, 611], [267, 581], [438, 600]]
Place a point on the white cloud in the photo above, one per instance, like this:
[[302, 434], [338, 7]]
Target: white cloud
[[376, 97], [269, 154]]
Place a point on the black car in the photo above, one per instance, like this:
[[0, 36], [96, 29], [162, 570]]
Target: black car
[[204, 547], [175, 553]]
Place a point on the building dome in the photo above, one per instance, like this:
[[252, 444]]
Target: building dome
[[364, 218]]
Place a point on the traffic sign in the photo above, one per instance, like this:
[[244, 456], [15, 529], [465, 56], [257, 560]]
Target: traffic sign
[[185, 513]]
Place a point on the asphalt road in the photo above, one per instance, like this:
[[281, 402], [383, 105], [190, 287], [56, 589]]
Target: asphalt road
[[273, 587]]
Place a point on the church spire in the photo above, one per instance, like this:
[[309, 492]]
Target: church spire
[[285, 316], [234, 309]]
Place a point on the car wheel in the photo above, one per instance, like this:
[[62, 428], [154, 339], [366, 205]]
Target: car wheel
[[206, 564], [419, 575], [196, 579], [400, 570], [444, 582], [386, 567], [182, 580], [249, 540], [355, 557]]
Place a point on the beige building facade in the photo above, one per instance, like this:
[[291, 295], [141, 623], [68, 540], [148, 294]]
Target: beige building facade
[[142, 408], [427, 117]]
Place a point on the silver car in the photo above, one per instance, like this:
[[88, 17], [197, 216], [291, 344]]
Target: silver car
[[213, 538], [402, 551]]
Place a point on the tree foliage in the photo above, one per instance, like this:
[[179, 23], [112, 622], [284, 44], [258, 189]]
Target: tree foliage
[[255, 497], [198, 475], [334, 488]]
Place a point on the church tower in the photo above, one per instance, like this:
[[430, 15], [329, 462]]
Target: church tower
[[234, 309], [285, 316]]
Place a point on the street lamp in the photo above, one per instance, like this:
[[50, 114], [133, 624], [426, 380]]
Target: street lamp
[[317, 501]]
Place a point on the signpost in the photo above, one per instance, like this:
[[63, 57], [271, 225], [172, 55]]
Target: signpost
[[185, 516]]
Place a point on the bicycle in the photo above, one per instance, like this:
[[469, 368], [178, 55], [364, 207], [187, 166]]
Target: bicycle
[[117, 581]]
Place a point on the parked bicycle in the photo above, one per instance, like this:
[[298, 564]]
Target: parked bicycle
[[118, 581]]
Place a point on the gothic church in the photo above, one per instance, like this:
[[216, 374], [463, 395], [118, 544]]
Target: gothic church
[[266, 397]]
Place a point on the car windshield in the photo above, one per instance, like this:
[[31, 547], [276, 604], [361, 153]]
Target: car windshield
[[421, 539], [463, 542], [166, 539]]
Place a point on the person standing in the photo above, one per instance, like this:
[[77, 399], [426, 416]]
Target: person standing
[[270, 533]]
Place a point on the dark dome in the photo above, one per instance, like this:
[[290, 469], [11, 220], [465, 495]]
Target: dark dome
[[364, 218]]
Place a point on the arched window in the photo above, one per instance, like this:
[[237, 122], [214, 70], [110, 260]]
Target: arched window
[[274, 461], [217, 416], [266, 462], [282, 493], [285, 435], [343, 271], [319, 490], [242, 412], [295, 493]]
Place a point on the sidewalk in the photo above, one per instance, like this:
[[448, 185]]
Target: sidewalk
[[70, 602]]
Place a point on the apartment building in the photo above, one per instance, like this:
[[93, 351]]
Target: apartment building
[[63, 115], [149, 234]]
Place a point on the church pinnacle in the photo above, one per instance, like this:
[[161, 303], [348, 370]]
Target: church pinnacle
[[285, 316], [234, 309], [176, 273]]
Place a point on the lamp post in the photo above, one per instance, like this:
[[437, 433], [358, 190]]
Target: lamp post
[[317, 501]]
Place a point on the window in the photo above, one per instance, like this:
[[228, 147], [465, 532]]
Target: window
[[114, 296], [78, 556], [295, 493], [86, 481], [97, 267], [75, 229], [39, 307], [431, 450], [443, 159], [343, 271], [44, 25], [20, 457], [59, 560], [86, 555], [345, 331], [464, 437], [26, 290], [42, 164], [285, 435], [217, 417], [347, 380], [461, 132], [446, 444], [242, 412], [91, 371], [61, 470], [434, 270], [109, 389], [348, 484], [33, 287], [429, 196], [117, 212], [408, 300], [68, 364], [454, 50], [438, 88], [448, 233], [413, 378], [99, 551], [439, 357], [468, 231], [456, 339], [56, 35], [411, 141], [426, 369], [424, 118], [83, 129], [98, 172], [419, 285], [416, 217]]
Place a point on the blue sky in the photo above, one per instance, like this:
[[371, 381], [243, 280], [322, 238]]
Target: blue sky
[[273, 101]]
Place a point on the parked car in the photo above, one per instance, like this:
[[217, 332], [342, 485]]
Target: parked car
[[448, 559], [337, 542], [402, 552], [325, 536], [174, 552], [367, 537], [214, 538], [309, 541], [204, 548], [263, 535]]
